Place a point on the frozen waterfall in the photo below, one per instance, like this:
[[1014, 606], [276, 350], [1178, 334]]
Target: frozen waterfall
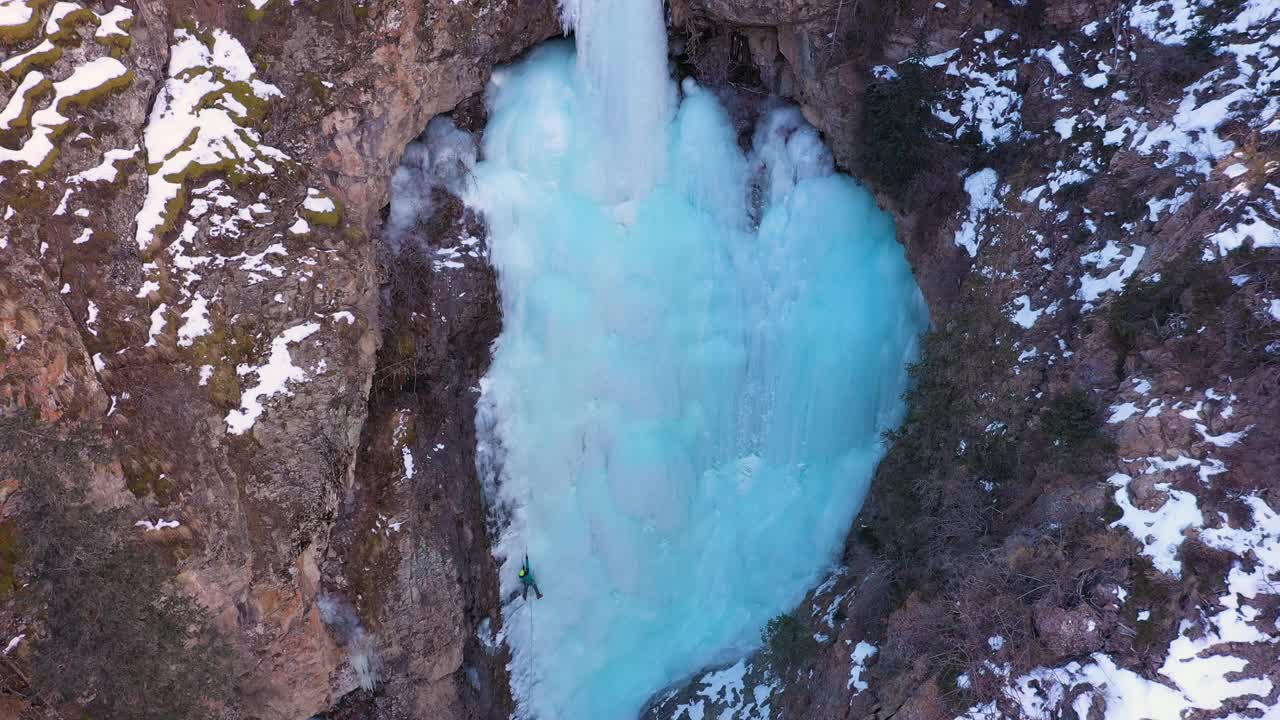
[[700, 350]]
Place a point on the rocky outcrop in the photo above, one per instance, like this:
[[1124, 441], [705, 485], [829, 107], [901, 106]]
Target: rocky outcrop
[[1075, 507], [189, 266], [820, 55], [191, 270], [762, 13], [411, 546]]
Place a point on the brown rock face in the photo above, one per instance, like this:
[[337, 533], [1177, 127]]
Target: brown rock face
[[411, 547], [765, 12], [1014, 540], [1069, 633], [44, 367], [288, 410], [164, 340]]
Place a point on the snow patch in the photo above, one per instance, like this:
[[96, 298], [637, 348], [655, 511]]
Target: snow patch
[[197, 123], [981, 187], [197, 321], [46, 122], [862, 652], [1122, 412], [1092, 288], [273, 378], [160, 524], [1161, 531]]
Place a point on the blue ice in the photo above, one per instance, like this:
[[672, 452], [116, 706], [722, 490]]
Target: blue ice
[[698, 356]]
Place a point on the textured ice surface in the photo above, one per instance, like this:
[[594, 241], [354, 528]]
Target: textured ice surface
[[442, 157], [686, 400], [622, 65]]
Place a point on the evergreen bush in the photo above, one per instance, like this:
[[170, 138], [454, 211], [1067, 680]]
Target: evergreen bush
[[896, 114], [788, 643]]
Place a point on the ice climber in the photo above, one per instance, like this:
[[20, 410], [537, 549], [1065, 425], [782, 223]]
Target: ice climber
[[527, 580]]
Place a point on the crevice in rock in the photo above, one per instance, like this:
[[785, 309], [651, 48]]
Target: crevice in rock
[[410, 549]]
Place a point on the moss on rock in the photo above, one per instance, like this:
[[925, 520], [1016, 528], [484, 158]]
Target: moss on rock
[[144, 479], [29, 103], [44, 59], [67, 24], [21, 32], [224, 348], [9, 556]]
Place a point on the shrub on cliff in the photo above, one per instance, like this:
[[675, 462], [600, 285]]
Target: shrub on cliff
[[922, 501], [787, 643], [118, 634], [1070, 418], [1186, 294], [1201, 45], [114, 635], [895, 117]]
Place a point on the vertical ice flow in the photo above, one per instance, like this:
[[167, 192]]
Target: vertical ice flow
[[696, 363], [622, 59]]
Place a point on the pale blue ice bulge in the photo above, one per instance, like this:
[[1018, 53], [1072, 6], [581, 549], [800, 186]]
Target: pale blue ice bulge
[[686, 400]]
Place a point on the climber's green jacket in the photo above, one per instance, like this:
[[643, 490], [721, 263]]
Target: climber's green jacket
[[526, 575]]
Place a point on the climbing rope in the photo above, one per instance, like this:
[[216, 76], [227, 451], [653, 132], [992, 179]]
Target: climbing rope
[[526, 564]]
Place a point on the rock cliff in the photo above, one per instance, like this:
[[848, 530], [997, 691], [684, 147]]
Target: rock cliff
[[1078, 516], [202, 332], [192, 198]]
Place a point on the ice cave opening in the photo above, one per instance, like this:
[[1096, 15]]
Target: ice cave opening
[[701, 348]]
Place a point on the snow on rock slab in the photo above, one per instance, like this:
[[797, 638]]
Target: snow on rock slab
[[86, 82], [20, 102], [1210, 667], [195, 321], [1097, 81], [859, 659], [981, 187], [13, 643], [1252, 228], [273, 378], [1024, 316], [982, 99], [725, 694], [112, 23], [63, 15], [160, 524], [106, 171], [1243, 92], [15, 12], [18, 19], [1117, 693], [317, 202], [198, 125], [1054, 57], [1169, 22], [1122, 412], [43, 54], [1092, 288], [158, 323], [1160, 531]]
